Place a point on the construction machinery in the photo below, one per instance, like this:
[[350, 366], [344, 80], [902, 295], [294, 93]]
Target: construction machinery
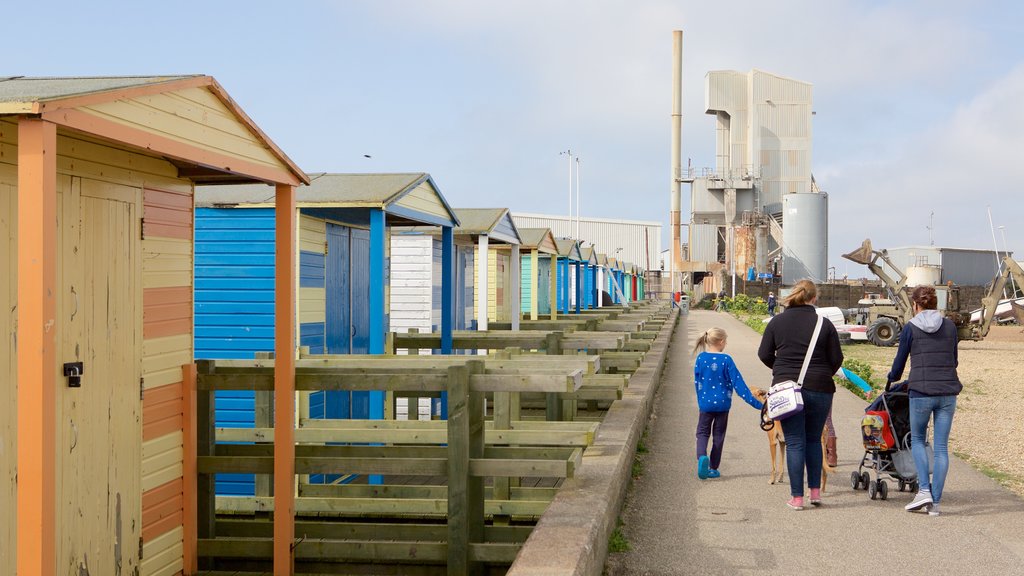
[[886, 317], [992, 305]]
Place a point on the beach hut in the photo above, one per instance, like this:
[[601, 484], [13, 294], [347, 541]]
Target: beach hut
[[497, 241], [416, 280], [343, 221], [537, 287], [589, 271], [568, 271], [96, 222], [615, 280], [601, 276]]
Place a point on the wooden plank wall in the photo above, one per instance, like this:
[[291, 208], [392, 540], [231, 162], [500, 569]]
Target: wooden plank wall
[[167, 332], [8, 374], [193, 116], [412, 282]]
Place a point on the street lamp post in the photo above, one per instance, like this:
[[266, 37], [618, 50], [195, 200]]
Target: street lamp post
[[570, 156]]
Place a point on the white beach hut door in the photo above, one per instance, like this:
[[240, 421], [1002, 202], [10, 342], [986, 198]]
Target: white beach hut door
[[99, 433]]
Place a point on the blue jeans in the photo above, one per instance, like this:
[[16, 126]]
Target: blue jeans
[[921, 409], [803, 441]]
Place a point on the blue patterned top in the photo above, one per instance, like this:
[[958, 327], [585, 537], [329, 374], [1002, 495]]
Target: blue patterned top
[[715, 376]]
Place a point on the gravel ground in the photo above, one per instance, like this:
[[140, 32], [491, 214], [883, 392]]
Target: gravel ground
[[987, 428]]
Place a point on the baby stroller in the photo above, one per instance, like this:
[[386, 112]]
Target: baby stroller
[[886, 433]]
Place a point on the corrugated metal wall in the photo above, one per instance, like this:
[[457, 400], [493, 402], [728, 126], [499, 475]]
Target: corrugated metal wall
[[962, 266], [704, 242], [640, 241]]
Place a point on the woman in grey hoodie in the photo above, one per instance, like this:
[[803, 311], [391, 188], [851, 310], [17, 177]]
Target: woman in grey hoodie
[[929, 340]]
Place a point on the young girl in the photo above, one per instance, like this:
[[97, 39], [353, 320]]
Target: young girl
[[715, 376]]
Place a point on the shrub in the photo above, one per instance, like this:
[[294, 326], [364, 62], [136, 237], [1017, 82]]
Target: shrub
[[862, 369]]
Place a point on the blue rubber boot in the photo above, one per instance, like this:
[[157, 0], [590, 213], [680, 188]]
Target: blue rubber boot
[[703, 467]]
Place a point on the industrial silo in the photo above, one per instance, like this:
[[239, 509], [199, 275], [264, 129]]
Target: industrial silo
[[804, 237]]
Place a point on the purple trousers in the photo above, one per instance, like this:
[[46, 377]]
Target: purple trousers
[[712, 425]]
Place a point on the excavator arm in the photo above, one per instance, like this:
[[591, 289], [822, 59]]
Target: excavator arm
[[893, 286], [1009, 269]]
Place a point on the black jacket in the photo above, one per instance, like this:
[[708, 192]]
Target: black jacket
[[784, 345]]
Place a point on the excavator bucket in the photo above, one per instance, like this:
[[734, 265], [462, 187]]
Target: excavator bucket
[[862, 255]]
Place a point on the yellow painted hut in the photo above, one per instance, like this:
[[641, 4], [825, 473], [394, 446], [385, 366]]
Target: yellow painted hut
[[96, 232]]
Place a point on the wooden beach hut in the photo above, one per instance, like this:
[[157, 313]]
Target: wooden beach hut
[[96, 222], [343, 223], [615, 280], [601, 277], [568, 271], [589, 271], [539, 249], [496, 289]]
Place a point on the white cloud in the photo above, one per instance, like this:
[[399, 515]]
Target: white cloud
[[955, 168]]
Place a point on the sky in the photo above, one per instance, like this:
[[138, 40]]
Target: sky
[[919, 105]]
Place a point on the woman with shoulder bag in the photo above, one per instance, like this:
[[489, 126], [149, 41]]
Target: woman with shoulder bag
[[785, 348]]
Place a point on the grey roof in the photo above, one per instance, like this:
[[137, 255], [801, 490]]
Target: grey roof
[[36, 89], [478, 220], [565, 246], [324, 189], [533, 236], [342, 191]]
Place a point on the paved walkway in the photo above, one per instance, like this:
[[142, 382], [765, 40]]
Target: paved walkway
[[739, 524]]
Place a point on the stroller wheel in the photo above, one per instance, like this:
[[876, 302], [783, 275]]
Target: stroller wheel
[[873, 489], [883, 489], [902, 485], [855, 480], [914, 486], [865, 480]]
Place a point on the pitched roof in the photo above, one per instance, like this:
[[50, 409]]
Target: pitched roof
[[494, 222], [23, 89], [568, 248], [325, 190], [64, 100], [540, 238]]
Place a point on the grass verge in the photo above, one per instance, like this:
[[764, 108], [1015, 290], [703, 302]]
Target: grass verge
[[617, 542]]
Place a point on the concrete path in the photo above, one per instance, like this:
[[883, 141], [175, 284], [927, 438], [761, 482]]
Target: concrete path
[[739, 524]]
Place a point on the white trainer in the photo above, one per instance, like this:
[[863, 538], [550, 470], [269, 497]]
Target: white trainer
[[933, 510], [922, 499]]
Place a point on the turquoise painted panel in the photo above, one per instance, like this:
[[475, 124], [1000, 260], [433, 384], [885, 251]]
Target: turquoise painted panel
[[525, 268]]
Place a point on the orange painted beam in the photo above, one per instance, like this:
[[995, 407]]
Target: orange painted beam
[[189, 477], [284, 380], [37, 334], [90, 124]]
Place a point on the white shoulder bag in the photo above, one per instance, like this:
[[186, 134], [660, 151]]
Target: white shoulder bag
[[785, 398]]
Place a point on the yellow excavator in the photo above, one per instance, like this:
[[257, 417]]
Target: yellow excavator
[[991, 304], [885, 320]]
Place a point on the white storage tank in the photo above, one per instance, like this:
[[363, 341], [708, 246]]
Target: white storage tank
[[804, 237], [927, 275]]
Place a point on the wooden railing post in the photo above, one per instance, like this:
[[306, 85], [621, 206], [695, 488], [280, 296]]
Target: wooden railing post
[[206, 489], [189, 430], [553, 409], [465, 492]]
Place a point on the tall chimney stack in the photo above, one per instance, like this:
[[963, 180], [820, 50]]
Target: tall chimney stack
[[677, 129]]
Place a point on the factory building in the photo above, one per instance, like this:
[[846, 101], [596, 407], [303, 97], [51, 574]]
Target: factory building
[[938, 264], [759, 207], [633, 241]]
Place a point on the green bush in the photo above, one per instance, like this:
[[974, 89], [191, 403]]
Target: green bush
[[862, 369]]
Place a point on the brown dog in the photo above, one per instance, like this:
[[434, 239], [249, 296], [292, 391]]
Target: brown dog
[[775, 440], [777, 444]]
